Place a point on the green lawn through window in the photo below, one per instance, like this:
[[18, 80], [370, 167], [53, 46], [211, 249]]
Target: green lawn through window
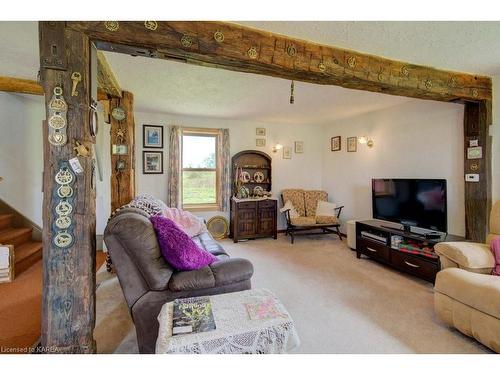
[[198, 187]]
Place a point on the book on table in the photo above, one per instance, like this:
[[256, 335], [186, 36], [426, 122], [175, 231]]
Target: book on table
[[192, 315]]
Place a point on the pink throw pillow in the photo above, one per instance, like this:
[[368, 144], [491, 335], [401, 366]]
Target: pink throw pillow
[[495, 249], [178, 249]]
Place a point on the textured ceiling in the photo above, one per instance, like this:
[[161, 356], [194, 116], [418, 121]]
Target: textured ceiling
[[170, 87], [179, 88]]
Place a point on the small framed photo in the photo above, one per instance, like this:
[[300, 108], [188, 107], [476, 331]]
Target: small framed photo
[[152, 136], [299, 147], [352, 144], [120, 150], [287, 152], [260, 142], [335, 143], [261, 132], [152, 162]]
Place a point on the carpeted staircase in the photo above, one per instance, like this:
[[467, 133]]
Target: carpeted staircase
[[27, 252]]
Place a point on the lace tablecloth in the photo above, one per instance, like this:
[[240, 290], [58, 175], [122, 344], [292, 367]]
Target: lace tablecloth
[[235, 332]]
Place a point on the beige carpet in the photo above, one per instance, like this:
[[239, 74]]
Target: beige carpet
[[339, 304]]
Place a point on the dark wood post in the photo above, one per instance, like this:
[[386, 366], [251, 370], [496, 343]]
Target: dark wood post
[[123, 166], [477, 118], [68, 305]]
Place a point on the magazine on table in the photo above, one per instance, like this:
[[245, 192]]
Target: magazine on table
[[264, 309], [192, 315]]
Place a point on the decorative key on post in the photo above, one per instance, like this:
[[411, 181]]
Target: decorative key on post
[[76, 78]]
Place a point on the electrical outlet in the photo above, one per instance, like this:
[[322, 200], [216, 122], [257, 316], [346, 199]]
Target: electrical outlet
[[472, 177]]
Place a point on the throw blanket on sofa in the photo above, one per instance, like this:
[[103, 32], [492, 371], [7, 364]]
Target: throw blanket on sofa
[[185, 220], [152, 206]]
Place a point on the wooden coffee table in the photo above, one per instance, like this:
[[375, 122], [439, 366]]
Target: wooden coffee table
[[236, 332]]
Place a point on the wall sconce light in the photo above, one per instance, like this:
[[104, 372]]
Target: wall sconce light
[[363, 140], [277, 147]]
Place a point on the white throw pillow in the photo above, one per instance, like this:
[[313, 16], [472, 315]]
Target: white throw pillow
[[326, 209], [289, 206]]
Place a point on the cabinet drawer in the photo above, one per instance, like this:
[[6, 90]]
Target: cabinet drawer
[[411, 264], [374, 249], [246, 205], [267, 204]]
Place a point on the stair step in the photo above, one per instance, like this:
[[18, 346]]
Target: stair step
[[15, 236], [26, 255], [6, 221]]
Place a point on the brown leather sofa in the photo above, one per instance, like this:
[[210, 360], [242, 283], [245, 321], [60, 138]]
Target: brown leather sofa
[[148, 281]]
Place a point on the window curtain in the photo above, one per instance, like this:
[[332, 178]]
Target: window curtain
[[174, 167], [224, 167]]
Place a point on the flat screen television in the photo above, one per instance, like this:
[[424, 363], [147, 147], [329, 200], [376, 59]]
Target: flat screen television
[[411, 202]]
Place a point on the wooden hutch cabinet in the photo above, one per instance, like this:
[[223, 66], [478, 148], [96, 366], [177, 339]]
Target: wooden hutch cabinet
[[252, 216]]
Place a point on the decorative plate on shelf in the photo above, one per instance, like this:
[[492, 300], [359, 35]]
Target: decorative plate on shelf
[[258, 190], [218, 227], [258, 177], [243, 193], [245, 176]]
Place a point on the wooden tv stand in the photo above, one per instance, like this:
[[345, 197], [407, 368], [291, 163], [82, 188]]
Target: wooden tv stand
[[422, 266]]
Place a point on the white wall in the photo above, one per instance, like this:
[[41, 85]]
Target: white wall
[[303, 170], [21, 158], [21, 153], [419, 139], [495, 133]]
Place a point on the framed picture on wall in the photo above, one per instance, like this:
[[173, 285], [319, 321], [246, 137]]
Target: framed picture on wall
[[352, 144], [335, 143], [261, 132], [287, 152], [260, 142], [152, 162], [152, 136], [299, 147]]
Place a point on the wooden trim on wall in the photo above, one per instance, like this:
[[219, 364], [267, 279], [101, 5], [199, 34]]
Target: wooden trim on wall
[[106, 78], [20, 85], [235, 47]]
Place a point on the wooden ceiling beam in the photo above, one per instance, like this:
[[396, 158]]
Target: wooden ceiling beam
[[235, 47], [21, 86], [106, 79], [28, 86]]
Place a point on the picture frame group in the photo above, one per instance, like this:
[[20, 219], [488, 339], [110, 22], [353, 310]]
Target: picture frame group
[[152, 160]]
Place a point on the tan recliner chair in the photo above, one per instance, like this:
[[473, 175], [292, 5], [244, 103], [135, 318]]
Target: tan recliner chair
[[467, 296]]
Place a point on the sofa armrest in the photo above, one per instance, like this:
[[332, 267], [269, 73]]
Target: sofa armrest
[[471, 256], [232, 270], [222, 272]]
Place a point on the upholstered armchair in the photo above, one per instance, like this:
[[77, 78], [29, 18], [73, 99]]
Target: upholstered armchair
[[467, 296]]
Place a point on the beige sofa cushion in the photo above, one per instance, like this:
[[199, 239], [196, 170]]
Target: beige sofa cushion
[[303, 221], [482, 292], [296, 196], [326, 220], [312, 197], [471, 256]]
